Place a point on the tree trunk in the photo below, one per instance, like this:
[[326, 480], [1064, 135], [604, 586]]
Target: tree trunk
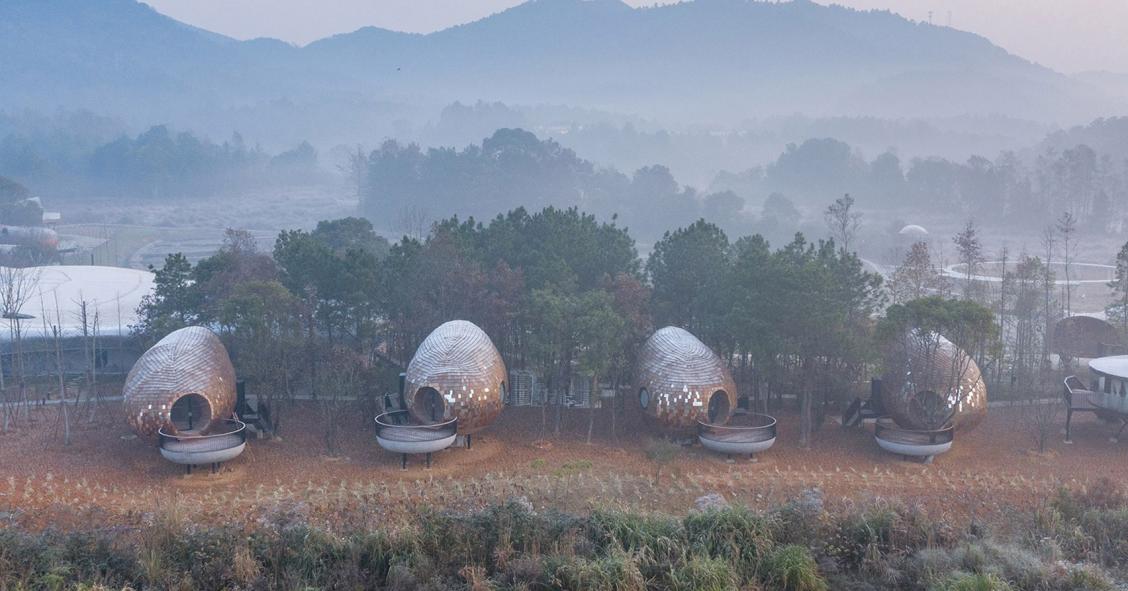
[[591, 406], [805, 409]]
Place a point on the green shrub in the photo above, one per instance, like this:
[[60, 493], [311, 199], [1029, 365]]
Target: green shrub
[[734, 534], [791, 568], [703, 574], [658, 535], [1084, 578], [618, 571], [971, 582]]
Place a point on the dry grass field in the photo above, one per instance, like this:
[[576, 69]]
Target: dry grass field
[[108, 477]]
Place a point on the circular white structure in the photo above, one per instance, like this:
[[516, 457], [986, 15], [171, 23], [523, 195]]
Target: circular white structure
[[955, 271], [113, 292], [1110, 387], [913, 231]]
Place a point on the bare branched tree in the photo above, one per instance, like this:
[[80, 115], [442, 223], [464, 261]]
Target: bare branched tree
[[414, 221], [970, 251], [17, 285], [843, 221], [1040, 414], [1067, 227], [89, 324]]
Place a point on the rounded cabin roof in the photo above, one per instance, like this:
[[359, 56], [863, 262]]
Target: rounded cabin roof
[[459, 362], [1083, 336], [913, 230], [1114, 365], [929, 381], [680, 375]]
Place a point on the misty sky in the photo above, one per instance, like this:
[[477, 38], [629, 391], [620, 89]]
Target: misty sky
[[1067, 35]]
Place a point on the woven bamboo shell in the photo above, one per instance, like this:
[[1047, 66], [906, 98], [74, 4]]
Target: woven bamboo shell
[[924, 385], [191, 360], [680, 375], [460, 362]]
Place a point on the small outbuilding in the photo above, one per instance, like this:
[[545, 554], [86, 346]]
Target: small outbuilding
[[1085, 337]]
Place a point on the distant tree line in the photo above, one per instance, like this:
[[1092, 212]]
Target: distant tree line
[[1013, 188], [513, 168], [82, 153]]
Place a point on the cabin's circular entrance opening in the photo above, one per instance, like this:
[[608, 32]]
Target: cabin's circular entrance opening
[[719, 408], [428, 405], [643, 397], [190, 413]]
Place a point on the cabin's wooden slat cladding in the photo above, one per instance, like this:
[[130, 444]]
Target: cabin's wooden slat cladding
[[460, 363], [189, 361], [929, 381], [680, 375]]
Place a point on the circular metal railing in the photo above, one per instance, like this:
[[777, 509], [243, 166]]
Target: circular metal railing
[[231, 438], [763, 428], [397, 425], [887, 430]]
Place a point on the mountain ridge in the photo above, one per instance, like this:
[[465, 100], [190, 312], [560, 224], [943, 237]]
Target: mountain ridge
[[700, 60]]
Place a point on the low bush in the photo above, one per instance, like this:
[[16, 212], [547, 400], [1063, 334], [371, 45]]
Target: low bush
[[511, 547], [791, 568]]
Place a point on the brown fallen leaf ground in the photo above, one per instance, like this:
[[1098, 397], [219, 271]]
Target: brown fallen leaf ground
[[105, 477]]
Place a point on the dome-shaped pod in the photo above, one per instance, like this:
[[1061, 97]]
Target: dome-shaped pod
[[929, 382], [184, 383], [456, 373], [681, 381], [1084, 337]]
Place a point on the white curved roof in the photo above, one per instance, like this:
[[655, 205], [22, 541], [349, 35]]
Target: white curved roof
[[913, 230], [1115, 365], [113, 292]]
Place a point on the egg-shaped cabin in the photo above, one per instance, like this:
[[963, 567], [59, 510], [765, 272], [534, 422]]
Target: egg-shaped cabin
[[932, 390], [930, 383], [184, 385], [682, 382], [456, 373]]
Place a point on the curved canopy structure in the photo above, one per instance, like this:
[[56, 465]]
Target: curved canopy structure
[[913, 231], [181, 386], [456, 373], [1084, 337], [930, 382], [682, 382], [1110, 384]]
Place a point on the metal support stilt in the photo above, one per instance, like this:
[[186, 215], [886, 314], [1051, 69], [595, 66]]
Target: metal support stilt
[[1068, 420], [468, 437], [428, 460], [403, 462]]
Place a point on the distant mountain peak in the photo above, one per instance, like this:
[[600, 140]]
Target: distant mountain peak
[[713, 59]]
